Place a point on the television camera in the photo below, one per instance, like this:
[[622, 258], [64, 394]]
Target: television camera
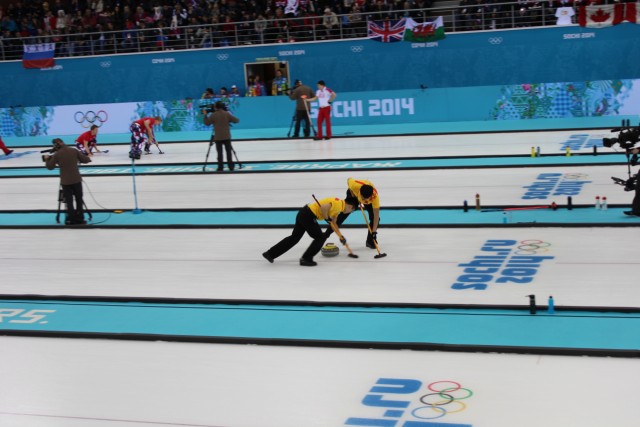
[[57, 144], [628, 137]]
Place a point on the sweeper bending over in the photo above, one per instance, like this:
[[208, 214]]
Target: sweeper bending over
[[307, 221]]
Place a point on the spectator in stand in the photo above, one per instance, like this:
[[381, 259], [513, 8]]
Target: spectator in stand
[[251, 87], [256, 87], [330, 24], [234, 92], [280, 84], [564, 15], [260, 26], [249, 21], [61, 20]]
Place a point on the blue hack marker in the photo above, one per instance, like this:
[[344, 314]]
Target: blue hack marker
[[550, 305]]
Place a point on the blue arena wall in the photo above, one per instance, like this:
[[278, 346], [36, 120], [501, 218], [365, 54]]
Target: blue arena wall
[[550, 54], [512, 75]]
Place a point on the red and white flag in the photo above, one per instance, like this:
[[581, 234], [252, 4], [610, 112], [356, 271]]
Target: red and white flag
[[632, 13], [600, 16]]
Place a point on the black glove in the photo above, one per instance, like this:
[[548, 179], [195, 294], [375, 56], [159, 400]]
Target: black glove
[[374, 236], [343, 240]]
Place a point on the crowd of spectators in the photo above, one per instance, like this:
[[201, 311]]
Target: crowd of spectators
[[83, 27]]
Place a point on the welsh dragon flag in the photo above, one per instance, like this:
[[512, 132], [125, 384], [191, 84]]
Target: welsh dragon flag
[[424, 32]]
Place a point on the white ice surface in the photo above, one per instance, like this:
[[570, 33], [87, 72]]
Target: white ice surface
[[591, 266], [421, 266], [504, 186], [518, 143], [94, 383]]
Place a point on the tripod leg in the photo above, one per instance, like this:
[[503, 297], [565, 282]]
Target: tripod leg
[[206, 159], [237, 159], [293, 120]]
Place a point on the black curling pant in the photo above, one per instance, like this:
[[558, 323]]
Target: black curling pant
[[306, 221], [635, 205], [75, 214], [301, 116], [226, 145]]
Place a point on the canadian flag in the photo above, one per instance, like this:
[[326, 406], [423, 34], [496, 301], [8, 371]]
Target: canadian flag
[[632, 13], [601, 15]]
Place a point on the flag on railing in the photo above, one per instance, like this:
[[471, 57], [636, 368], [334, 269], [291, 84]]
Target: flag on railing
[[428, 31], [38, 55], [291, 7], [386, 31], [599, 16], [632, 13]]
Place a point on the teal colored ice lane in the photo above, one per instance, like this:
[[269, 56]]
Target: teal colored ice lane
[[577, 330], [285, 218], [240, 132], [334, 165]]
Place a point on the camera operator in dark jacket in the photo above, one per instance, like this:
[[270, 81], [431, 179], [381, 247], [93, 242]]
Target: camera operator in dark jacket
[[67, 158], [221, 121], [300, 94], [635, 205]]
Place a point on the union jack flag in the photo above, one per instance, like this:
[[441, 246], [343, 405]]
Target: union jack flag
[[386, 31]]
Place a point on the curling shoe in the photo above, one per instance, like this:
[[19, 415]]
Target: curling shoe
[[267, 257], [632, 213], [8, 152], [308, 263]]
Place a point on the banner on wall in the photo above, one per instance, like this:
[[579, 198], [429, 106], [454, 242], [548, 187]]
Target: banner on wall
[[527, 101], [76, 119], [38, 55]]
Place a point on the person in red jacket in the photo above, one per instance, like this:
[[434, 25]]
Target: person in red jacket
[[4, 148], [87, 142], [142, 134], [325, 97]]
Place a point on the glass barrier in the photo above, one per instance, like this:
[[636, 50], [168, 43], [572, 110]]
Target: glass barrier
[[479, 17]]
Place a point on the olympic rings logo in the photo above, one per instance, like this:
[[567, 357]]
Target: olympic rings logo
[[222, 56], [86, 120], [532, 247], [105, 64], [575, 176], [445, 393], [495, 40], [357, 49]]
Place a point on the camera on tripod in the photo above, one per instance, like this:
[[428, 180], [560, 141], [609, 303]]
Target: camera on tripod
[[628, 137]]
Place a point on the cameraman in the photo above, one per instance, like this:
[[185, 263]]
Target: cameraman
[[221, 121], [635, 205], [299, 94], [67, 159]]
